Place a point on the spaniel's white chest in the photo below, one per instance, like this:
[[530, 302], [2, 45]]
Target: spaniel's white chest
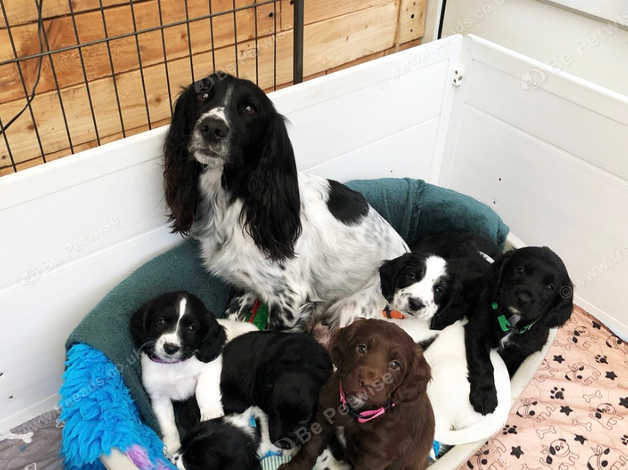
[[176, 381]]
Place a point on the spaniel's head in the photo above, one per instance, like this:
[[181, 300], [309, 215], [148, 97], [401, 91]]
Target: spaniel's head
[[226, 124]]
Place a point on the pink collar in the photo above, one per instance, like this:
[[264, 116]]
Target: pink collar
[[363, 416]]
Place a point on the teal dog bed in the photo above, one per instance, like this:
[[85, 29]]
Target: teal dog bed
[[414, 208]]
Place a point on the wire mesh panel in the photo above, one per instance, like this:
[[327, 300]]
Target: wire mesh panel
[[75, 74]]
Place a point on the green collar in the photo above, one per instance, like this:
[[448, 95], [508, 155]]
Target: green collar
[[505, 325]]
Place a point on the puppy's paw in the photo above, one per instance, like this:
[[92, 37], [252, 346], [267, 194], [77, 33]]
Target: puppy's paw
[[483, 398], [171, 445]]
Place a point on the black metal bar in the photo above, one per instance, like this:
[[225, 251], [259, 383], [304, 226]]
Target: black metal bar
[[211, 32], [298, 28], [256, 48], [235, 39], [187, 25], [89, 95], [19, 69], [6, 143], [54, 76], [163, 47], [139, 59], [134, 33], [275, 45], [441, 20], [113, 72]]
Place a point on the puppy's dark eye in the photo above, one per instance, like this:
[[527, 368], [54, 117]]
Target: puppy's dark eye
[[410, 276], [394, 365], [203, 96], [549, 286], [439, 289], [160, 323], [362, 348], [190, 327], [248, 109], [520, 269]]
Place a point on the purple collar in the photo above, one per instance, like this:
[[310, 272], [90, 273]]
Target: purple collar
[[159, 361], [363, 416]]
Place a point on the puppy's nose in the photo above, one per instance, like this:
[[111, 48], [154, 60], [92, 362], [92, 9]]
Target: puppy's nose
[[524, 296], [415, 304], [213, 130], [171, 348]]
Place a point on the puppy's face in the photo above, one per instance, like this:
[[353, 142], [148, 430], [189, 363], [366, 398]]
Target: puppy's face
[[227, 116], [173, 327], [533, 284], [417, 284], [378, 363]]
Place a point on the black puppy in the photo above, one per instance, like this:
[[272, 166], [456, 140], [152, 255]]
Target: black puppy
[[527, 292]]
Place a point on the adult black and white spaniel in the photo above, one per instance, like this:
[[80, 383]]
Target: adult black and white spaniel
[[528, 291], [291, 239], [180, 342]]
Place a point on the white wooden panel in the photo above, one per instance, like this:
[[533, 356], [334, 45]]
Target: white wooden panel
[[540, 171], [409, 153], [611, 10], [42, 314]]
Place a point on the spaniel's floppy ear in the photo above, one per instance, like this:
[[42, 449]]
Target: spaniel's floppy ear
[[139, 324], [563, 304], [388, 273], [272, 209], [500, 265], [213, 341], [181, 170], [415, 382], [339, 344]]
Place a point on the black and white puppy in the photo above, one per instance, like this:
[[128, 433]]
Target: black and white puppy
[[437, 282], [527, 293], [233, 442], [287, 238], [179, 340]]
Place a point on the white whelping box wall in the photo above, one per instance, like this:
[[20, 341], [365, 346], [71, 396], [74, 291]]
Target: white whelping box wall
[[551, 160]]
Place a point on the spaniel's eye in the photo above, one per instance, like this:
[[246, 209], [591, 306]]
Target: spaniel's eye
[[438, 289], [204, 96], [394, 365], [248, 110], [410, 276], [549, 286], [160, 323], [190, 327], [520, 269], [362, 348]]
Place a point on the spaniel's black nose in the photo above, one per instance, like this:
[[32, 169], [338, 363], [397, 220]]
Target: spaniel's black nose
[[213, 130], [171, 348], [415, 304]]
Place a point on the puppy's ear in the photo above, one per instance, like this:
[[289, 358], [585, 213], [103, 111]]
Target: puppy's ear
[[500, 265], [139, 325], [213, 341], [415, 382], [388, 273], [272, 209], [563, 306], [339, 344], [181, 170]]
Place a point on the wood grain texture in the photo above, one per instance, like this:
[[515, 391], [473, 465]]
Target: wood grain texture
[[337, 34]]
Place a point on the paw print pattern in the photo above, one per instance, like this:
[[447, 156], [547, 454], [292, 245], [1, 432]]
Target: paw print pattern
[[509, 429], [601, 359], [557, 393]]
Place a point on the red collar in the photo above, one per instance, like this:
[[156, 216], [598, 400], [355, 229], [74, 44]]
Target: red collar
[[362, 416], [388, 313]]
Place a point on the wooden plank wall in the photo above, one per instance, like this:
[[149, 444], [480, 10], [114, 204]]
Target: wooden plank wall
[[337, 34]]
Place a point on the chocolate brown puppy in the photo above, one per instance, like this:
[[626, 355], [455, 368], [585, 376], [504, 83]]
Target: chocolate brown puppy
[[377, 397]]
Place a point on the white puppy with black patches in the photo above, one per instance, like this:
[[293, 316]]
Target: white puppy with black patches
[[180, 344]]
